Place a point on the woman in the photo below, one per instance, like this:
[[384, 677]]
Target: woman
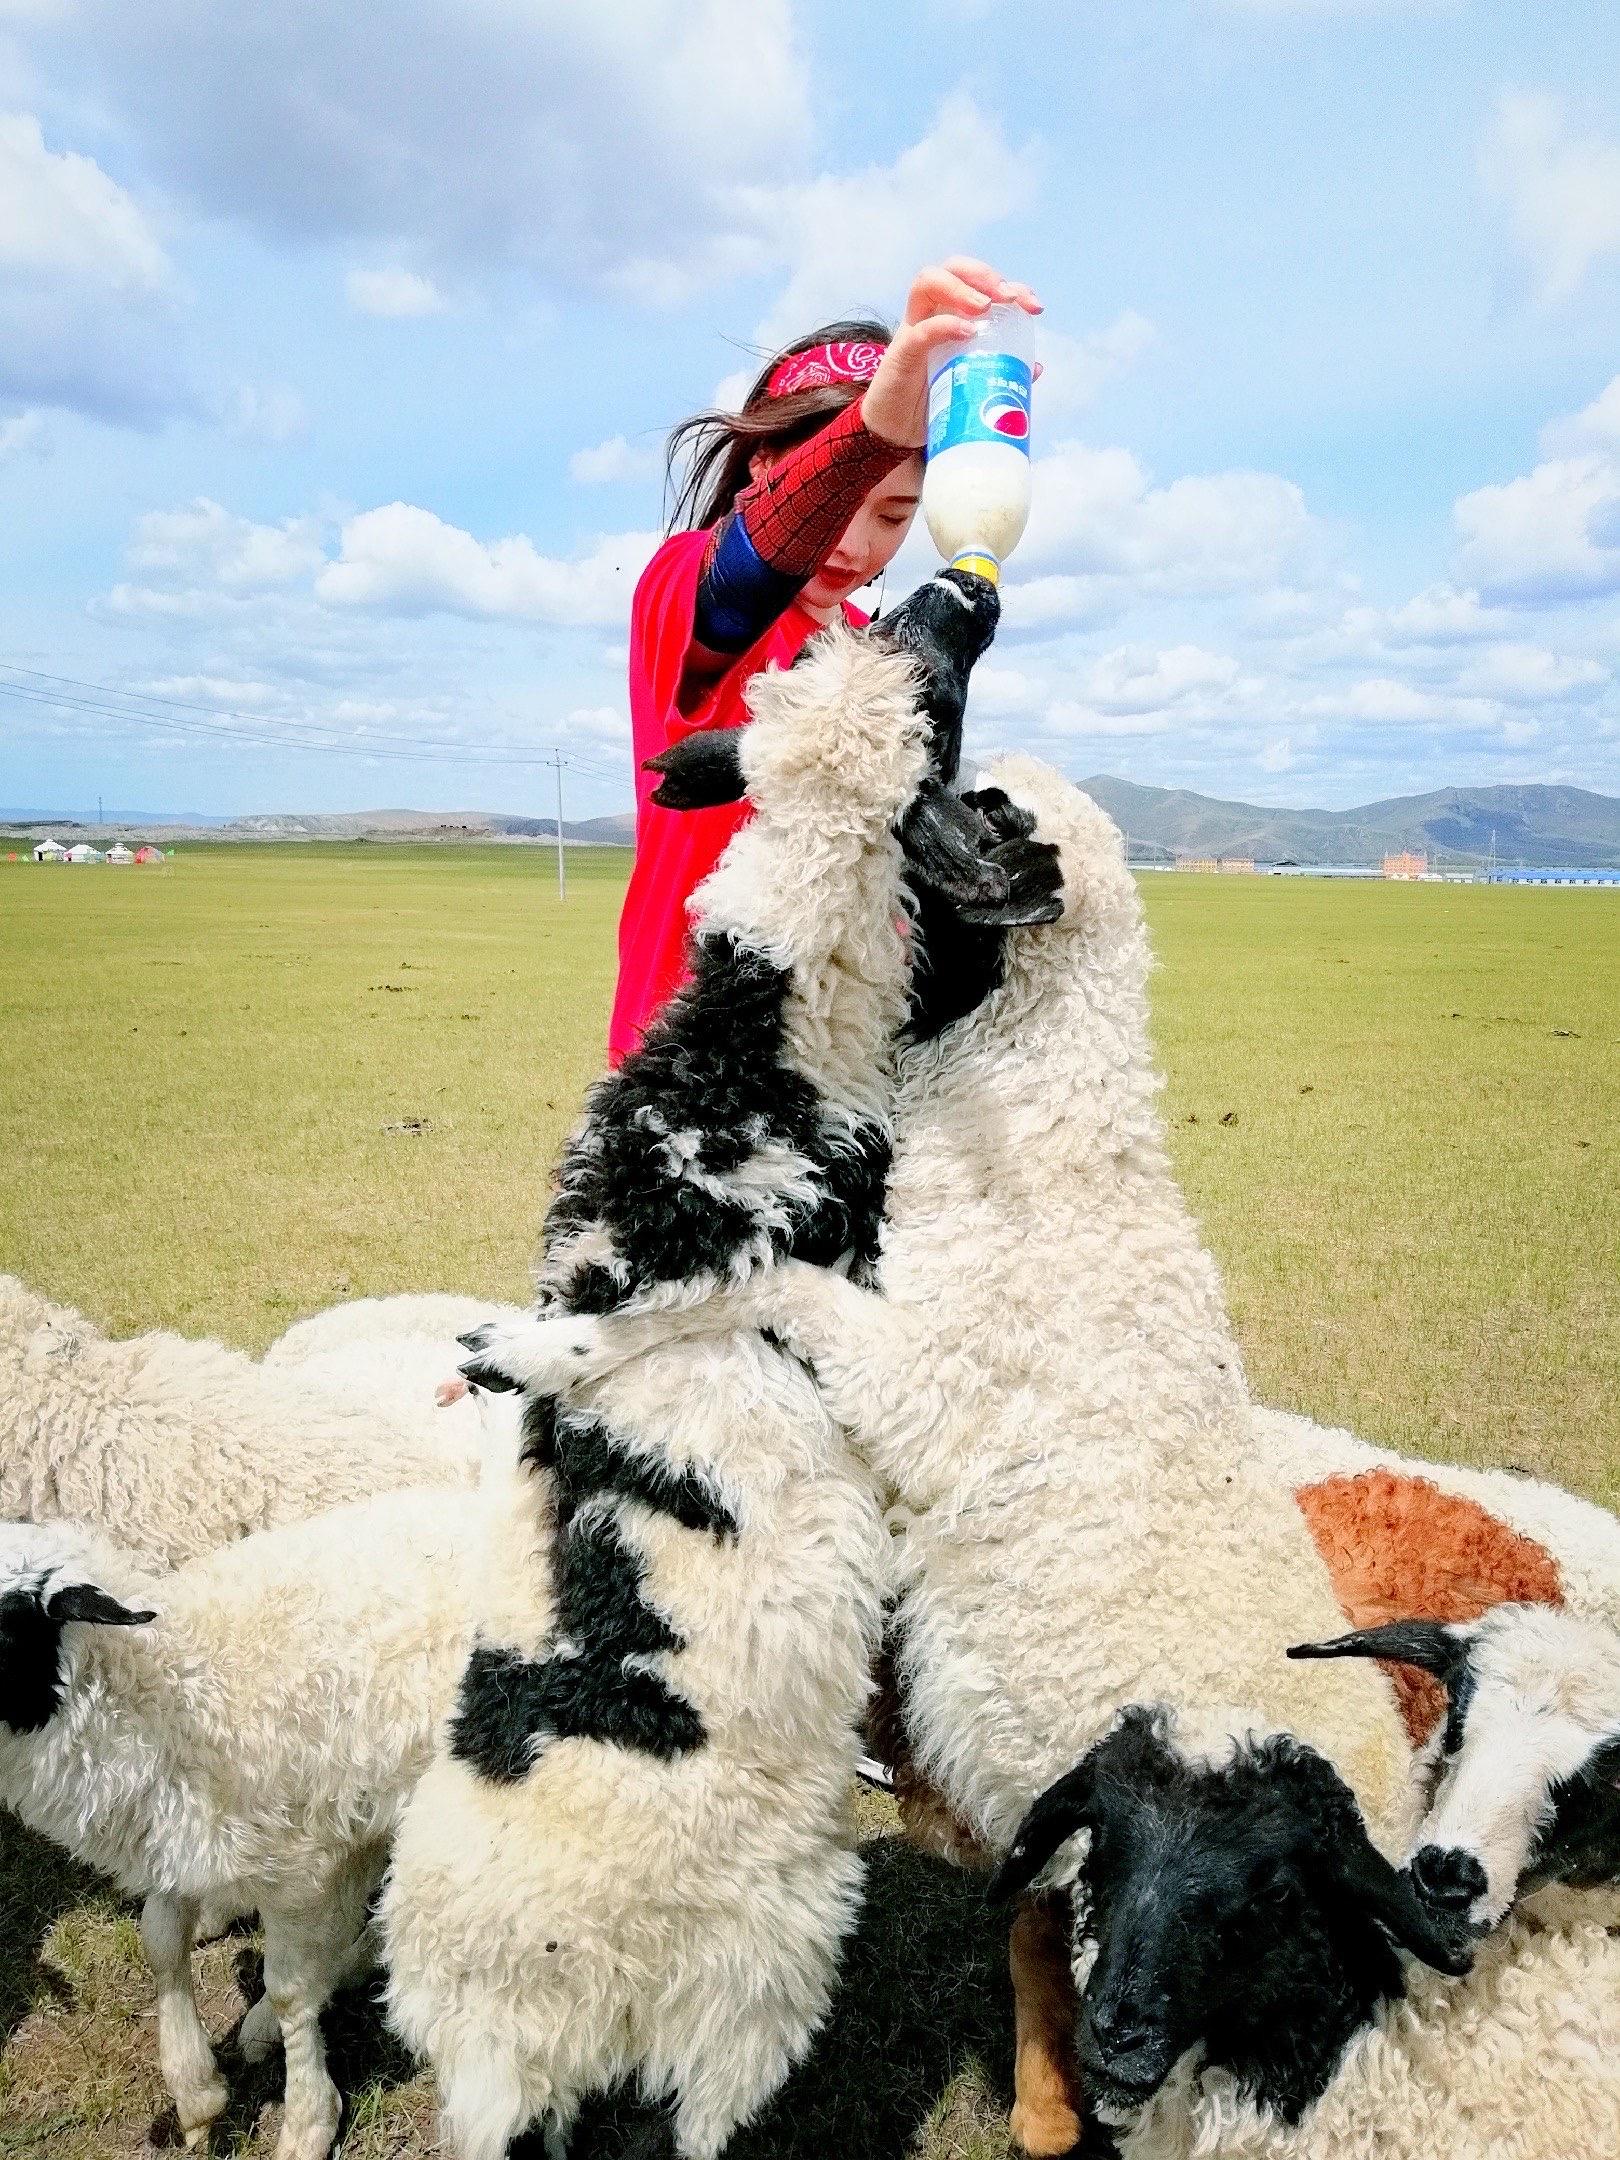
[[786, 509]]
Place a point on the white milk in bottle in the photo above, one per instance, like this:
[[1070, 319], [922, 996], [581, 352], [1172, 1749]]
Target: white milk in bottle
[[975, 495]]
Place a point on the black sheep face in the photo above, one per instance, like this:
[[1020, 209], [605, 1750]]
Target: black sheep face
[[944, 627], [1234, 1912]]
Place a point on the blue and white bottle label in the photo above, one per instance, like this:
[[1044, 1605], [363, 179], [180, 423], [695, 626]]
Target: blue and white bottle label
[[979, 397]]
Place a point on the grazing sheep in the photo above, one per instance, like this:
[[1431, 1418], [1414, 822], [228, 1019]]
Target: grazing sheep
[[1524, 1772], [177, 1446], [248, 1726], [634, 1858]]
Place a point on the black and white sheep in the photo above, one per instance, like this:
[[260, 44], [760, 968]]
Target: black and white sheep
[[1524, 1770], [633, 1857]]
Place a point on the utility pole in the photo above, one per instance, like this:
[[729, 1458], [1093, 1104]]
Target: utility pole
[[562, 869], [100, 820]]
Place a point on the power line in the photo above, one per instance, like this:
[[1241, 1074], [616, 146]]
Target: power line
[[267, 731]]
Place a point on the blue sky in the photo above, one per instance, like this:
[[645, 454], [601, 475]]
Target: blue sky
[[337, 346]]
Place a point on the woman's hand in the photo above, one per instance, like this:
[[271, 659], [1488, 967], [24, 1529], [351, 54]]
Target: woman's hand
[[945, 304]]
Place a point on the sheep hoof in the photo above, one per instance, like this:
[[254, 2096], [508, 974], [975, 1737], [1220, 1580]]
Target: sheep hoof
[[197, 2112], [1045, 2129], [308, 2141]]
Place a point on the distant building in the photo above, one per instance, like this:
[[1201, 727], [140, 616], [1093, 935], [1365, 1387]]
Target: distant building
[[84, 852], [1242, 864], [1553, 877], [119, 853], [148, 854], [1406, 865], [49, 851], [1197, 862]]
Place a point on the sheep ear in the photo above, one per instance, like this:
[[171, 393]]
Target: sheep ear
[[700, 772], [1428, 1644], [83, 1601], [1388, 1896], [1053, 1819]]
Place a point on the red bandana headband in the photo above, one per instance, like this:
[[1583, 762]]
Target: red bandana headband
[[823, 365]]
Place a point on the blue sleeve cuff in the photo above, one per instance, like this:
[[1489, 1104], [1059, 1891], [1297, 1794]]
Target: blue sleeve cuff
[[739, 596]]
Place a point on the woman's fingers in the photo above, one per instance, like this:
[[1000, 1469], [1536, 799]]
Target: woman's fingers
[[935, 289], [951, 282]]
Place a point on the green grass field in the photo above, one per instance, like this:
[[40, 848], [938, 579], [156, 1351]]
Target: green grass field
[[1395, 1108]]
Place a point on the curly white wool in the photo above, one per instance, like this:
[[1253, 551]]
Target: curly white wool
[[178, 1446], [255, 1742]]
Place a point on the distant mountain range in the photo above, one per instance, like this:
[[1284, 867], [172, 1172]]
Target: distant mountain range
[[1539, 827], [618, 831]]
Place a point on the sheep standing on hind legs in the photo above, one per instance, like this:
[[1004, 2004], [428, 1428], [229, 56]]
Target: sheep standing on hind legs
[[633, 1857], [1051, 1384]]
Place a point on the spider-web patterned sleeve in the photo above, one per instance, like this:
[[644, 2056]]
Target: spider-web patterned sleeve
[[783, 527]]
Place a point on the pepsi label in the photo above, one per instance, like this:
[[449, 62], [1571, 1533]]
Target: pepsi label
[[979, 397]]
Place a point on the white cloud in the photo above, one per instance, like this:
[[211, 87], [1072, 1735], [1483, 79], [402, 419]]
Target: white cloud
[[1550, 536], [269, 412], [1596, 427], [1095, 512], [393, 294], [206, 545], [614, 460], [60, 213], [23, 435], [1277, 756], [86, 290], [852, 240], [1133, 679], [602, 727], [1387, 702], [596, 146], [405, 559], [1562, 191], [1529, 674], [1077, 367]]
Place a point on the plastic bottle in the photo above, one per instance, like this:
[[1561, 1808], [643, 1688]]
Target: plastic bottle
[[975, 495]]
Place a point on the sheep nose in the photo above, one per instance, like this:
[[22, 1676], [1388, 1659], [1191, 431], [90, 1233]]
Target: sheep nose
[[1123, 2027], [1447, 1878]]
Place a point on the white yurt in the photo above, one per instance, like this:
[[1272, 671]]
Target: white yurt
[[49, 851], [119, 853], [84, 852]]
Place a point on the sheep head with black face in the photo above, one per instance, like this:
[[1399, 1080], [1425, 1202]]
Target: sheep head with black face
[[1525, 1771], [1231, 1909], [991, 875]]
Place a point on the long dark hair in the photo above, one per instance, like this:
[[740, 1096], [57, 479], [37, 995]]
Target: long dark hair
[[706, 466]]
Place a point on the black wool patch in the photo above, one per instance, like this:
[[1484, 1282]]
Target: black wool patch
[[708, 1087], [509, 1705], [957, 966], [591, 1460], [30, 1663], [1581, 1844]]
